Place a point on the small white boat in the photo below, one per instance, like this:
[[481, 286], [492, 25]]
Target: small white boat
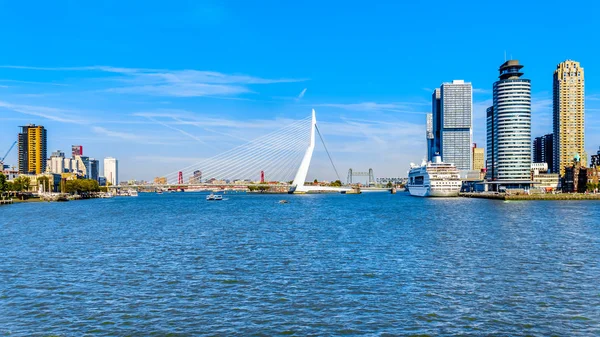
[[132, 193], [214, 197]]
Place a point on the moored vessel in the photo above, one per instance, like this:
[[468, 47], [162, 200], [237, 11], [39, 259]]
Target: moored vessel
[[434, 179]]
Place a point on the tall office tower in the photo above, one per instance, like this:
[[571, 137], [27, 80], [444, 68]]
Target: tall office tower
[[76, 150], [512, 124], [489, 163], [456, 104], [568, 115], [94, 172], [56, 162], [32, 149], [111, 171], [429, 137], [436, 115], [543, 150], [478, 158]]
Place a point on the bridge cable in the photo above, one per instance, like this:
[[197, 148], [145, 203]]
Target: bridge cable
[[325, 146]]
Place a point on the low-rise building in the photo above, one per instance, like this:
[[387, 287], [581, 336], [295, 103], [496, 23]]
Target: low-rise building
[[45, 182], [575, 177], [10, 174], [544, 180]]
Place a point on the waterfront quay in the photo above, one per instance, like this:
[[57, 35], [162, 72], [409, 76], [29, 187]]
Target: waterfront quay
[[537, 196]]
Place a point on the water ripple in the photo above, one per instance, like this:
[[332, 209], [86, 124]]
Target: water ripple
[[374, 264]]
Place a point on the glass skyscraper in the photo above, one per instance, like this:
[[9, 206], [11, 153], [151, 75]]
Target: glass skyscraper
[[456, 117], [511, 133], [489, 163]]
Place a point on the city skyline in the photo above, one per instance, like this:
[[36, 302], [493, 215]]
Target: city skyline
[[158, 110]]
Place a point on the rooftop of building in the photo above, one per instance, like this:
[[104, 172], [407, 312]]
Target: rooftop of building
[[510, 69]]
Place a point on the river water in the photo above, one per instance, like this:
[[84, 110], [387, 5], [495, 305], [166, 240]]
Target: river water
[[371, 264]]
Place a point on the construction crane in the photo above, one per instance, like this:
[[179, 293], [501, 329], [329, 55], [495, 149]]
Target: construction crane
[[7, 152]]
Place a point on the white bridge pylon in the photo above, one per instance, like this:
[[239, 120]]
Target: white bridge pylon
[[298, 185]]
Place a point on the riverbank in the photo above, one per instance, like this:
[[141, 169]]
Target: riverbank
[[47, 199], [547, 196]]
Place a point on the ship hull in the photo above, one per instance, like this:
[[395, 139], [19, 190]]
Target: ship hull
[[444, 194], [426, 191], [418, 190]]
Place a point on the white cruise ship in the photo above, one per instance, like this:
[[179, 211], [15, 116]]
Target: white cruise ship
[[434, 179]]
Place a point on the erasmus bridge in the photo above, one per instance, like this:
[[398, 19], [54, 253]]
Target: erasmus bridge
[[283, 156]]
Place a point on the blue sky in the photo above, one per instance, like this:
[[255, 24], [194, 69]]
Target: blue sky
[[161, 85]]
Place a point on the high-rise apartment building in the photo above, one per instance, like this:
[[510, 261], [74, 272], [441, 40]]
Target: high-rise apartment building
[[111, 171], [429, 137], [568, 115], [543, 151], [32, 149], [76, 150], [489, 163], [511, 130], [456, 102], [478, 158]]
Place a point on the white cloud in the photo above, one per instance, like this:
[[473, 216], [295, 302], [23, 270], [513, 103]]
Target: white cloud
[[114, 134], [481, 91], [175, 83], [301, 95], [592, 97], [59, 115], [183, 117], [373, 106], [182, 90]]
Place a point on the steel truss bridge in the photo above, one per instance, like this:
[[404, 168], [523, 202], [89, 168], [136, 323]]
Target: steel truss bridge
[[369, 174]]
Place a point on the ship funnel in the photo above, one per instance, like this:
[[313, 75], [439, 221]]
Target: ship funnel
[[437, 159]]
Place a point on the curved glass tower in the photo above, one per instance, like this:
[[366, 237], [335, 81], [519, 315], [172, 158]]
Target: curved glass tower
[[512, 124]]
